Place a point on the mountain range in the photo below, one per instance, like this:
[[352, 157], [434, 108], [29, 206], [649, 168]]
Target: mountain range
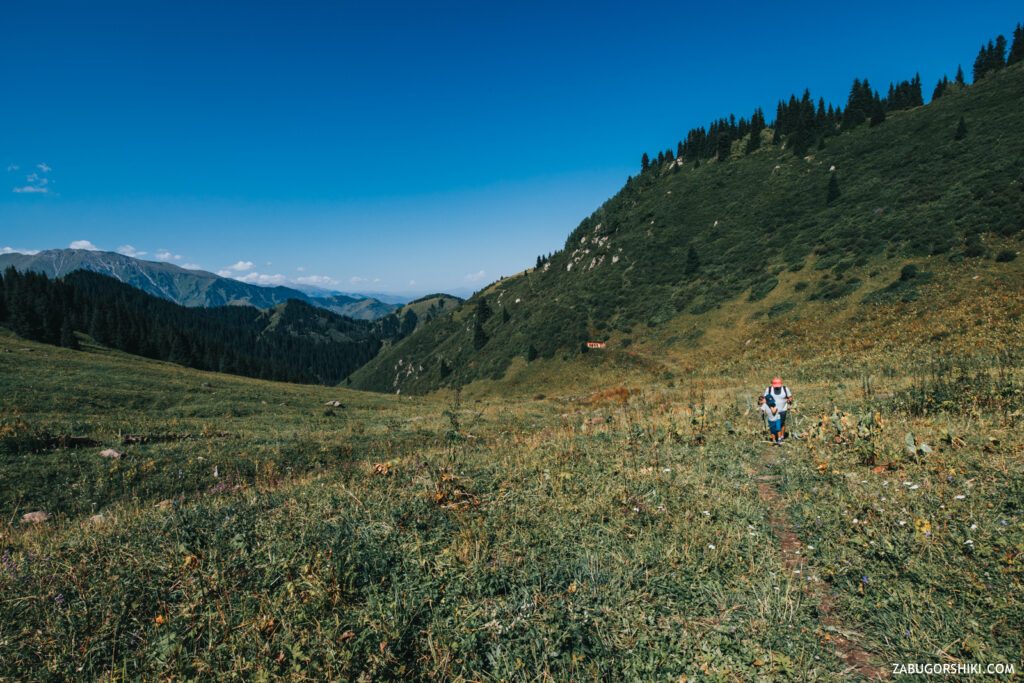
[[745, 230], [194, 288]]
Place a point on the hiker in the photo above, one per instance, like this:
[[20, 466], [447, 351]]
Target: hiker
[[773, 418], [783, 399], [764, 410]]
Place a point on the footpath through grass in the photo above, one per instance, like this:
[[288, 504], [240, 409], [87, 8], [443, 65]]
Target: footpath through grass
[[623, 538]]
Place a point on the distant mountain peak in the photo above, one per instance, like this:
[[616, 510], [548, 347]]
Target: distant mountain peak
[[194, 288]]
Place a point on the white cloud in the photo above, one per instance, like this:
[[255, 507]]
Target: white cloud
[[34, 182], [10, 250], [301, 269], [317, 280], [476, 277], [83, 244], [412, 283], [129, 250], [242, 266], [262, 279], [356, 280], [165, 255], [191, 266]]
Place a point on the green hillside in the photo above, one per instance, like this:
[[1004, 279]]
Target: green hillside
[[684, 239]]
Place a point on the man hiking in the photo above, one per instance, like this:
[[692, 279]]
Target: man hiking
[[780, 395]]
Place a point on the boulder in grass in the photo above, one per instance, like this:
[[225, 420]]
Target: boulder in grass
[[335, 404], [37, 517], [111, 453]]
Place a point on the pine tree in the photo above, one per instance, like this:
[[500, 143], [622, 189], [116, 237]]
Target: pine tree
[[724, 146], [999, 54], [692, 261], [833, 188], [877, 111], [1017, 48], [960, 75], [916, 97], [483, 310], [980, 64], [479, 336], [67, 336], [961, 130], [531, 353], [754, 141], [645, 162]]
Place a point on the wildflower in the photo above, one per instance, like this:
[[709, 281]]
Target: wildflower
[[969, 542], [711, 546], [159, 620], [864, 579], [960, 497], [914, 487], [706, 513], [973, 527]]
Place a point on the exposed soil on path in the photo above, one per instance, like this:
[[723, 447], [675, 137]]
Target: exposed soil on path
[[858, 660]]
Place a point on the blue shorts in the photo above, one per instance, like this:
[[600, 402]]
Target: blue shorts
[[775, 427]]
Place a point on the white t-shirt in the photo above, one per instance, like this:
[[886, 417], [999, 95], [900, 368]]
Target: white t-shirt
[[766, 409], [781, 398]]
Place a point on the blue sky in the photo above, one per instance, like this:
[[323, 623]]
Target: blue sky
[[399, 146]]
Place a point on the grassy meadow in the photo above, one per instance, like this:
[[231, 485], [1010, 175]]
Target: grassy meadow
[[250, 531]]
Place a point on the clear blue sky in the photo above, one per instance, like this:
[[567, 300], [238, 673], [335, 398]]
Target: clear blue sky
[[400, 146]]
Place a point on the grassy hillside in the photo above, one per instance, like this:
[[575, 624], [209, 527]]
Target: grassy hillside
[[682, 241], [431, 306], [251, 531]]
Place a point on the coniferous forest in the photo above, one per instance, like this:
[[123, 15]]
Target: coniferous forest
[[293, 342], [801, 124]]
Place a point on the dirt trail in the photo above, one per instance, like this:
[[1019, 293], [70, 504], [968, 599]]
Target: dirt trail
[[857, 659]]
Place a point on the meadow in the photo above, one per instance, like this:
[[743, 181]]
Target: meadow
[[640, 532]]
